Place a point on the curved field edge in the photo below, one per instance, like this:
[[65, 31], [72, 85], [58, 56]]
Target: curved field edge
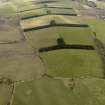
[[73, 63], [5, 94]]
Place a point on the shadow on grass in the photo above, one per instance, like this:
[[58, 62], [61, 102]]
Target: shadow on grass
[[35, 16], [55, 25], [63, 45]]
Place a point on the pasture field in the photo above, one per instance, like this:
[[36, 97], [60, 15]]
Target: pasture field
[[5, 94], [67, 4], [8, 9], [28, 6], [57, 77], [76, 35], [45, 20], [55, 92], [69, 34], [24, 5], [35, 22], [42, 38], [20, 67], [96, 86], [76, 63], [43, 11], [16, 48], [97, 26], [61, 11], [30, 9], [9, 34]]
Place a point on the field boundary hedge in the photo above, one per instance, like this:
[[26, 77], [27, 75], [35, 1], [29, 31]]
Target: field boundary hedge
[[44, 8], [44, 2], [35, 16], [54, 25], [72, 46]]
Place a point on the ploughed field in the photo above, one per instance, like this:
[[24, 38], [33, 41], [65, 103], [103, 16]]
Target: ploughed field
[[97, 26]]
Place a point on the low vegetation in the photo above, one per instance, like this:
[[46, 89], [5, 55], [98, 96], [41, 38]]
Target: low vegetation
[[67, 63]]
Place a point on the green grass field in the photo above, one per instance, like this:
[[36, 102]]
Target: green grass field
[[35, 22], [42, 11], [97, 26], [96, 86], [5, 94], [58, 77], [45, 20], [54, 92], [62, 11], [45, 37], [48, 37], [62, 3], [73, 35], [67, 63], [32, 13], [8, 9], [28, 6]]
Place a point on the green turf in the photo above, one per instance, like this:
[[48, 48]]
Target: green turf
[[77, 35], [32, 13], [65, 3], [98, 26], [67, 63], [48, 37], [5, 94], [26, 5], [96, 86], [18, 62], [100, 4], [42, 38], [8, 10], [62, 11], [45, 20], [54, 92], [42, 11]]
